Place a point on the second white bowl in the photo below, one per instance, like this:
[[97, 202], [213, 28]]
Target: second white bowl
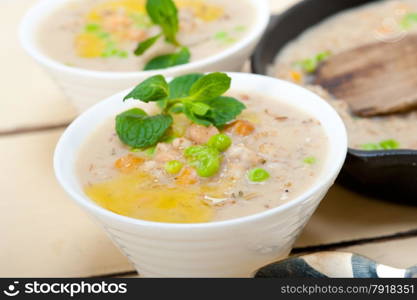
[[86, 87]]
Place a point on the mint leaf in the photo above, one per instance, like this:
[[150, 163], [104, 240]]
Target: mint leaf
[[163, 104], [180, 86], [201, 120], [210, 86], [136, 129], [177, 109], [165, 14], [135, 112], [223, 110], [200, 108], [145, 45], [154, 88], [169, 60]]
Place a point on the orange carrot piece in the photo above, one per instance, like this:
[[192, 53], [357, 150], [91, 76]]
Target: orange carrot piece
[[243, 127], [186, 177], [128, 163], [296, 76]]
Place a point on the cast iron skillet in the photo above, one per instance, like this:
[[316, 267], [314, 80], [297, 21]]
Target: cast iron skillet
[[391, 174]]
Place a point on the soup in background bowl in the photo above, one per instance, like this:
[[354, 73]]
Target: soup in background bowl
[[234, 242], [387, 174], [385, 21], [87, 46], [102, 35]]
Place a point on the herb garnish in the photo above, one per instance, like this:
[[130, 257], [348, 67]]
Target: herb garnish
[[152, 89], [169, 60], [164, 13], [311, 160], [224, 37], [136, 129], [409, 20], [110, 47], [384, 145], [145, 45], [198, 96], [309, 65]]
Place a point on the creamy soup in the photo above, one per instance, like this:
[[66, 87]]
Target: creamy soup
[[103, 34], [379, 21], [277, 152]]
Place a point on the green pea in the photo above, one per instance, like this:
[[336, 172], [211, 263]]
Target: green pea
[[323, 56], [221, 35], [311, 160], [208, 166], [384, 145], [205, 159], [194, 151], [309, 65], [240, 28], [122, 54], [173, 167], [92, 27], [258, 175], [220, 141], [409, 21]]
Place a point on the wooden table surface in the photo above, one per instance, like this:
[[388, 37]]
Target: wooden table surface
[[43, 233]]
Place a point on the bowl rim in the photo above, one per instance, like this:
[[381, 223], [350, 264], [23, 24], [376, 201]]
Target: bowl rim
[[254, 62], [327, 175], [382, 153], [31, 22]]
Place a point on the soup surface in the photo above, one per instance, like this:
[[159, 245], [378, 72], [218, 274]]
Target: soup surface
[[285, 143], [103, 34], [386, 21]]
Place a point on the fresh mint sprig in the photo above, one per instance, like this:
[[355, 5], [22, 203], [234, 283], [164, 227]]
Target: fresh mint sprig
[[163, 13], [198, 96]]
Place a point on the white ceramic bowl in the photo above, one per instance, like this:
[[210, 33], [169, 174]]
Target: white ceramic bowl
[[233, 248], [86, 87]]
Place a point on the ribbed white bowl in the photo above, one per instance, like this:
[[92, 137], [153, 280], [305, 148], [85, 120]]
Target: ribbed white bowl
[[86, 87], [233, 248]]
